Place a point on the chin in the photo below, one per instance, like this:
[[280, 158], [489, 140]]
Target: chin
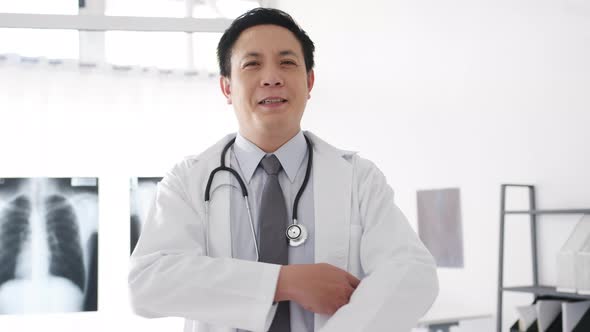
[[277, 126]]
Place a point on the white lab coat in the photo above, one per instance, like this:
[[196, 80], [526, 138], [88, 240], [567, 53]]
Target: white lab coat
[[358, 228]]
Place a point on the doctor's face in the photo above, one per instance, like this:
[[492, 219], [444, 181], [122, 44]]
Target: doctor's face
[[269, 85]]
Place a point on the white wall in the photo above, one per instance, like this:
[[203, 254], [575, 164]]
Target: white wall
[[469, 94]]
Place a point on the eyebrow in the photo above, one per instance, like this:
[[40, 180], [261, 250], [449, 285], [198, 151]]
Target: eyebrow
[[258, 55], [287, 52]]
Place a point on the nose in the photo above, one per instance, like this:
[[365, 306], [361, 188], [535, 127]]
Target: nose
[[272, 78]]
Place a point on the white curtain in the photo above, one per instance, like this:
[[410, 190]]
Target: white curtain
[[61, 117]]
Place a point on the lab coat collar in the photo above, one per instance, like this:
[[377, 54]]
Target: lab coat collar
[[290, 154], [332, 190]]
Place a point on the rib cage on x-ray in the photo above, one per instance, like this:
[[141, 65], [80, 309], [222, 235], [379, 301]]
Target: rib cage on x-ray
[[48, 244], [67, 259], [142, 195], [14, 231]]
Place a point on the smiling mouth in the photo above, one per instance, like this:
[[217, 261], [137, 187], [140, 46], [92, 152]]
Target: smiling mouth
[[270, 101]]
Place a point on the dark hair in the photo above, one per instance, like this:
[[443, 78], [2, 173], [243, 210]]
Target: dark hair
[[260, 16]]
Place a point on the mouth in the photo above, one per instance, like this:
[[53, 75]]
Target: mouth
[[272, 101]]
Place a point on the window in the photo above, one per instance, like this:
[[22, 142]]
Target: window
[[235, 8], [205, 51], [40, 42], [62, 7], [177, 8], [167, 50], [149, 49], [146, 8]]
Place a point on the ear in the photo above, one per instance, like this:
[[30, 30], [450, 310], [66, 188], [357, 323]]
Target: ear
[[310, 81], [224, 84]]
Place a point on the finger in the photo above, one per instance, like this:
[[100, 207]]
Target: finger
[[354, 281], [349, 294]]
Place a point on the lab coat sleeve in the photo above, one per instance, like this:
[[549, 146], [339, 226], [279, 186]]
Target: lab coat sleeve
[[170, 275], [400, 282]]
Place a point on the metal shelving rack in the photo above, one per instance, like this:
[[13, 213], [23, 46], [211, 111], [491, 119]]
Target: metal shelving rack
[[535, 288]]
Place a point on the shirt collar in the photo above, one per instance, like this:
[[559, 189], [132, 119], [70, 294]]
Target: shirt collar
[[290, 154]]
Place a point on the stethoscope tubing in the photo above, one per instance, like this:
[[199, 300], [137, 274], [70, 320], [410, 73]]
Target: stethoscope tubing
[[237, 176]]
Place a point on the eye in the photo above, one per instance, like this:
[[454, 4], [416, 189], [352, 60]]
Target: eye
[[288, 62], [250, 64]]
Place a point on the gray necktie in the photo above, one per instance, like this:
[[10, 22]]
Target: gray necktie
[[273, 241]]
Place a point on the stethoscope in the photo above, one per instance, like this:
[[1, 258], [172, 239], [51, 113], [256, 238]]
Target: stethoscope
[[296, 233]]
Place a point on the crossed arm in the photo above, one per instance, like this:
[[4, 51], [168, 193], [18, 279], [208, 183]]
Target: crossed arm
[[170, 274], [320, 288]]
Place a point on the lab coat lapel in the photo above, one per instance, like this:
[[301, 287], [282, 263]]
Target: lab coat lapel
[[219, 209], [332, 183]]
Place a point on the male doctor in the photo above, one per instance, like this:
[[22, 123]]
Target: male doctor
[[236, 263]]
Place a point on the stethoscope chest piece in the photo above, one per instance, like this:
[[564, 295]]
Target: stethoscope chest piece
[[297, 234]]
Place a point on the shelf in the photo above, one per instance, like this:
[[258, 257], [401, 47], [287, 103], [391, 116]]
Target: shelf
[[532, 212], [545, 290], [536, 212]]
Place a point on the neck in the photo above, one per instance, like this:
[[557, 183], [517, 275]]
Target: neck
[[270, 142]]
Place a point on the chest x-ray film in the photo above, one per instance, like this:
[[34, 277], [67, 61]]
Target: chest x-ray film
[[439, 225], [142, 195], [48, 245]]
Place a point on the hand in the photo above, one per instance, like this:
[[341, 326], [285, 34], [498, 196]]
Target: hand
[[321, 288]]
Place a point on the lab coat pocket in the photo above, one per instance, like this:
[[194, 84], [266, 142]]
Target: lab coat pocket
[[354, 254]]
